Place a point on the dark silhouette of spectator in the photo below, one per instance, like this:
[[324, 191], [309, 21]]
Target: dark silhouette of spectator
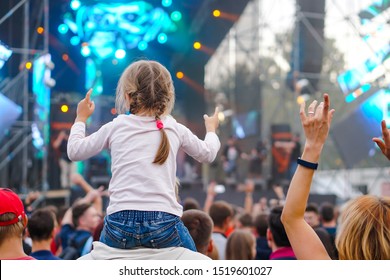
[[277, 237], [200, 226], [241, 245], [328, 219], [312, 217], [41, 226], [263, 251], [190, 203], [67, 167], [230, 155], [221, 213]]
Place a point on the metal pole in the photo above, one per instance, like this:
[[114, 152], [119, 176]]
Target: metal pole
[[46, 25], [10, 13], [25, 92], [45, 185]]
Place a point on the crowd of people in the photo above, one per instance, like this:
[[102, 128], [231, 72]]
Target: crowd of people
[[146, 219]]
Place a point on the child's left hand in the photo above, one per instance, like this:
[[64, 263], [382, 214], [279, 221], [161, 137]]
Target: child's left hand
[[85, 108], [212, 122]]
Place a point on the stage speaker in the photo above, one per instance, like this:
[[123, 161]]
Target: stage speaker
[[307, 51]]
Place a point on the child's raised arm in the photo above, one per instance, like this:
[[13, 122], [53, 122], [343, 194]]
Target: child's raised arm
[[85, 108], [212, 122]]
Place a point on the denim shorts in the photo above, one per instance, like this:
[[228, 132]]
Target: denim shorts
[[152, 229]]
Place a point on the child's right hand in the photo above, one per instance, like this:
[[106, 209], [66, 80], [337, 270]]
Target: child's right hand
[[212, 122], [85, 108]]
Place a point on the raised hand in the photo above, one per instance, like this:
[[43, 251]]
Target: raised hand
[[384, 144], [316, 122], [85, 107], [212, 122]]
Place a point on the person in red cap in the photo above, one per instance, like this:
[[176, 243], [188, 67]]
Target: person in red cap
[[13, 221]]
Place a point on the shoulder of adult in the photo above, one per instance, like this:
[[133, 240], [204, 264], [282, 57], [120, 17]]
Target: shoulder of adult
[[103, 252]]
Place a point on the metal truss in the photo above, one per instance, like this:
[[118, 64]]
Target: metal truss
[[14, 154]]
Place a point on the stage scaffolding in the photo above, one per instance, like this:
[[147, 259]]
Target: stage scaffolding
[[257, 44], [15, 148]]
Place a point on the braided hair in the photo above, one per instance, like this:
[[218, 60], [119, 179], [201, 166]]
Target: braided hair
[[146, 86]]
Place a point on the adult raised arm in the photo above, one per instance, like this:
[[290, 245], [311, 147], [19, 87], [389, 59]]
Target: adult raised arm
[[384, 144], [303, 239]]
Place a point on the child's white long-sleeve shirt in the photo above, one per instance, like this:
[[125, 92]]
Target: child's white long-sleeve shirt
[[137, 183]]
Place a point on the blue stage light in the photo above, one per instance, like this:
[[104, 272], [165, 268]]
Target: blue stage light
[[85, 51], [75, 4], [166, 3], [142, 45], [119, 54], [176, 16], [63, 28], [75, 40], [162, 38]]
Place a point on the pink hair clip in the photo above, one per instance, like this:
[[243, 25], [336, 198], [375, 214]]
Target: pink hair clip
[[159, 124]]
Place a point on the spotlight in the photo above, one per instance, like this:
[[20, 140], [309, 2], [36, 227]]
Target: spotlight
[[40, 30], [63, 28], [28, 65], [162, 38], [75, 4], [176, 16], [216, 13], [64, 108], [180, 75], [197, 45], [166, 3], [119, 54], [85, 51], [75, 40], [143, 45], [65, 57]]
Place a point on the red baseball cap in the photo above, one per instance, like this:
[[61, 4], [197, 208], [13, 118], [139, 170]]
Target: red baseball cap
[[11, 203]]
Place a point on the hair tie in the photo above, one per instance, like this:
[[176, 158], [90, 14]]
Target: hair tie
[[159, 124]]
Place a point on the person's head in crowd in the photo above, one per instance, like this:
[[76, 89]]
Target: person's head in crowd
[[261, 224], [276, 234], [13, 221], [245, 221], [190, 203], [85, 217], [364, 229], [41, 228], [328, 214], [241, 245], [41, 225], [200, 226], [312, 216], [221, 213]]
